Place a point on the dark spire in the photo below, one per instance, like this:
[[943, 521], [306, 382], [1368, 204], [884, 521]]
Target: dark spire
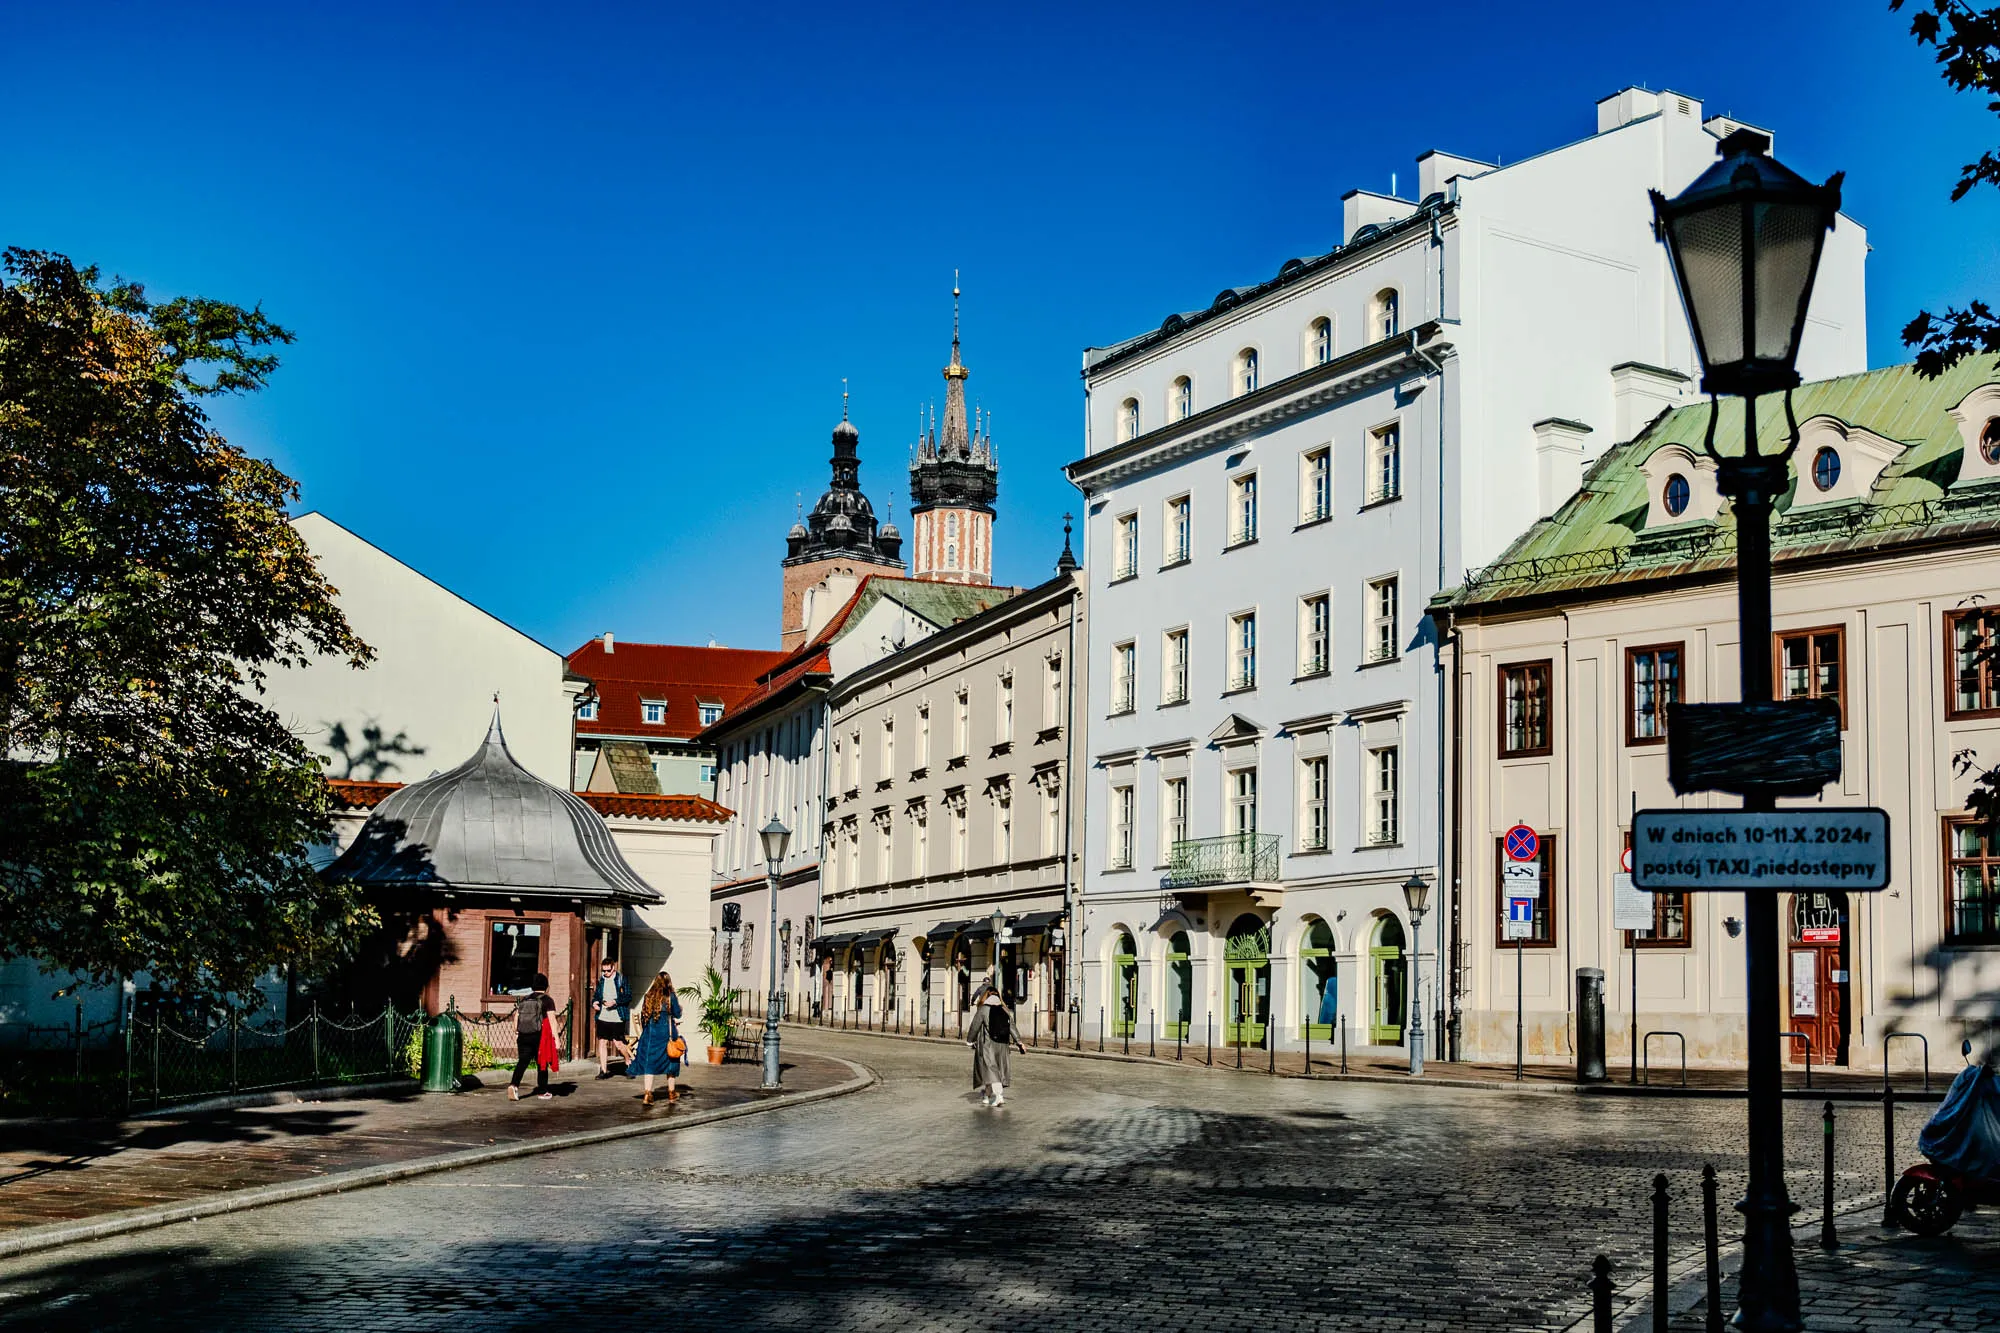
[[1066, 562], [954, 467], [843, 522]]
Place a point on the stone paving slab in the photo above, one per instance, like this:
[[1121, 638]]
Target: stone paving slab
[[55, 1172]]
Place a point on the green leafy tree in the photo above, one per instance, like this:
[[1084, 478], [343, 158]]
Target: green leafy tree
[[1967, 45], [153, 814]]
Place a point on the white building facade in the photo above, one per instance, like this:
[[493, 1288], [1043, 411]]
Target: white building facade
[[1276, 487]]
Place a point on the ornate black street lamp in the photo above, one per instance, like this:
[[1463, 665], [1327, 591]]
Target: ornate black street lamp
[[1416, 895], [775, 837], [1745, 242]]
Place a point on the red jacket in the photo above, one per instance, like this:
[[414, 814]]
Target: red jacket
[[548, 1057]]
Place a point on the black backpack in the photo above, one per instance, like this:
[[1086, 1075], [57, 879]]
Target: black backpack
[[999, 1024]]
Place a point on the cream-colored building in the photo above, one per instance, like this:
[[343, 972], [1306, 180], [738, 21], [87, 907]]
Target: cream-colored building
[[1566, 652], [949, 799]]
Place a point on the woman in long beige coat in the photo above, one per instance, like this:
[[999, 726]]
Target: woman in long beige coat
[[991, 1037]]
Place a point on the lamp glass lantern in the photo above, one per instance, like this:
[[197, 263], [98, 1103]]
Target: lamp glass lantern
[[776, 837], [1416, 894], [1745, 241]]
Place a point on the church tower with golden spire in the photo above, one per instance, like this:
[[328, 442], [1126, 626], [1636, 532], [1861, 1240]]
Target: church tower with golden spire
[[954, 480]]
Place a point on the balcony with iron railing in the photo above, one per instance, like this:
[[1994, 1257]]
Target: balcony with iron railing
[[1234, 858]]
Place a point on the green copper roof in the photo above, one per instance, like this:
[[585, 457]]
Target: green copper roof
[[1599, 537], [943, 604]]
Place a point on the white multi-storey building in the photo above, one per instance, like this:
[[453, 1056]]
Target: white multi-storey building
[[1277, 485]]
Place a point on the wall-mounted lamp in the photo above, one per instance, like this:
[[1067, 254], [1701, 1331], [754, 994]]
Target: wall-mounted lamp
[[1732, 926]]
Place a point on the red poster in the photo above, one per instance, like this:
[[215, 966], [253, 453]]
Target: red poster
[[1820, 935]]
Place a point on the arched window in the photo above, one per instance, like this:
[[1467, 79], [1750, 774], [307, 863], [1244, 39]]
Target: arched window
[[1246, 371], [1128, 419], [1388, 313], [1676, 495], [1180, 987], [1388, 983], [1183, 398], [1319, 983], [1125, 986], [1322, 340], [1826, 468]]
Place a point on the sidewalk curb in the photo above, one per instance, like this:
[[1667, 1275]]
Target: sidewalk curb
[[59, 1234], [1543, 1087]]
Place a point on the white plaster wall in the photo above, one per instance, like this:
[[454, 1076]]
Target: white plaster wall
[[673, 857], [439, 660]]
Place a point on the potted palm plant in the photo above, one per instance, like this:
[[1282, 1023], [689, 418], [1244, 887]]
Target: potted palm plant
[[718, 1013]]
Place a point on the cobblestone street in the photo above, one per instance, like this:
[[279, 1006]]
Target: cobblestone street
[[1102, 1193]]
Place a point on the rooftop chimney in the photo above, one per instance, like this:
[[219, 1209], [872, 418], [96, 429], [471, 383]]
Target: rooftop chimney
[[608, 646], [1558, 460]]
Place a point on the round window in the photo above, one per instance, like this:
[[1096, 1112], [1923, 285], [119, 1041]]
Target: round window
[[1826, 468], [1676, 495], [1989, 441]]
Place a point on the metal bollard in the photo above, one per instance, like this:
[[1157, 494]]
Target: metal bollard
[[1660, 1253], [1153, 1030], [1100, 1029], [1211, 1039], [1126, 1036], [1711, 1245], [1309, 1048], [1888, 1154], [1180, 1036], [1271, 1045], [1828, 1238], [1342, 1018], [1600, 1295]]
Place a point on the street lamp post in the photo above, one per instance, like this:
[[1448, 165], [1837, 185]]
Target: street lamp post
[[999, 930], [775, 837], [1745, 242], [1416, 895]]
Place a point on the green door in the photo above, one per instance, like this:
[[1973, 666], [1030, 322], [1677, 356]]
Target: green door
[[1125, 972], [1180, 987], [1390, 976], [1248, 957]]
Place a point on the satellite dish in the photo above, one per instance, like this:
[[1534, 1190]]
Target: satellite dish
[[896, 634]]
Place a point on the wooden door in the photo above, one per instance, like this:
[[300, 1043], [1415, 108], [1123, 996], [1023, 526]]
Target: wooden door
[[1817, 977]]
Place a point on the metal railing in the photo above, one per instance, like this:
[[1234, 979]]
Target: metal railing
[[1646, 1047], [1235, 858]]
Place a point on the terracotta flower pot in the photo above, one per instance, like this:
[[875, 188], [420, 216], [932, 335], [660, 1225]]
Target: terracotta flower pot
[[715, 1054]]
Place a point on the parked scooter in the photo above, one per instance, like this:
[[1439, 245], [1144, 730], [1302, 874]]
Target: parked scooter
[[1962, 1147]]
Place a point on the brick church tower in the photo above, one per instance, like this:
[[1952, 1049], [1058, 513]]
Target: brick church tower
[[832, 549], [953, 483]]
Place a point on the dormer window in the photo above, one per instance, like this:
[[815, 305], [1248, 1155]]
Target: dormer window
[[653, 712], [1674, 497], [587, 712], [1977, 416], [710, 714], [1826, 468], [1838, 463], [1989, 441]]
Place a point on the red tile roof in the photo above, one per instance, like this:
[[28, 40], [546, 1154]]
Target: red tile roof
[[656, 807], [353, 794], [682, 677]]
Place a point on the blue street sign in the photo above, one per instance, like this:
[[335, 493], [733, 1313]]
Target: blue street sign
[[1521, 909]]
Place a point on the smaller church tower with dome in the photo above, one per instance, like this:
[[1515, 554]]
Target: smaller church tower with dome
[[832, 549], [954, 480]]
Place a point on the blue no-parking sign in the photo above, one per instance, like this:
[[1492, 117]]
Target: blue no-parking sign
[[1522, 843]]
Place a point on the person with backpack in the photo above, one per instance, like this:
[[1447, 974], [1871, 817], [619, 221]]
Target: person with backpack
[[534, 1018], [991, 1036]]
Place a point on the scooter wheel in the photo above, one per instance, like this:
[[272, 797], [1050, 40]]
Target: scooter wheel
[[1926, 1207]]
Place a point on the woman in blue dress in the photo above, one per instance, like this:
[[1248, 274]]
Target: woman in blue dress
[[659, 1048]]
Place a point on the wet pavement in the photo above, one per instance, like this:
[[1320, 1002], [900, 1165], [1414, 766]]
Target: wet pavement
[[1101, 1193]]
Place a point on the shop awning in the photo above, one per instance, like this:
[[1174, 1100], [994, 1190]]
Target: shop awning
[[945, 930], [869, 939], [826, 944], [1035, 923]]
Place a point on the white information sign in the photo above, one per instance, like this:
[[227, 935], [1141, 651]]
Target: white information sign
[[1693, 851], [1631, 908], [1520, 879]]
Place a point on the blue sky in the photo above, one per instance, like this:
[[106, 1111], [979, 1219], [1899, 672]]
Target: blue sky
[[575, 289]]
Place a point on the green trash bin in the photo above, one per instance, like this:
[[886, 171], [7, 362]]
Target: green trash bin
[[444, 1040]]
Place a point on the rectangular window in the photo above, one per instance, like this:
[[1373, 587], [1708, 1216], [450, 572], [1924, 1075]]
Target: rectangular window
[[1120, 851], [854, 857], [514, 953], [958, 835], [888, 749], [1316, 486], [924, 736], [961, 724], [708, 775], [710, 714], [1243, 651], [1052, 693], [1173, 816], [1385, 464], [1313, 831], [1385, 796], [1972, 884], [587, 712], [1180, 531], [1243, 801], [1126, 563], [885, 849], [1384, 640], [1051, 820], [1243, 509], [854, 760], [1970, 636], [1524, 709], [1003, 728], [921, 854], [1124, 678], [1811, 666], [1003, 826], [653, 712], [1174, 667], [1543, 931], [1652, 682], [1315, 634]]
